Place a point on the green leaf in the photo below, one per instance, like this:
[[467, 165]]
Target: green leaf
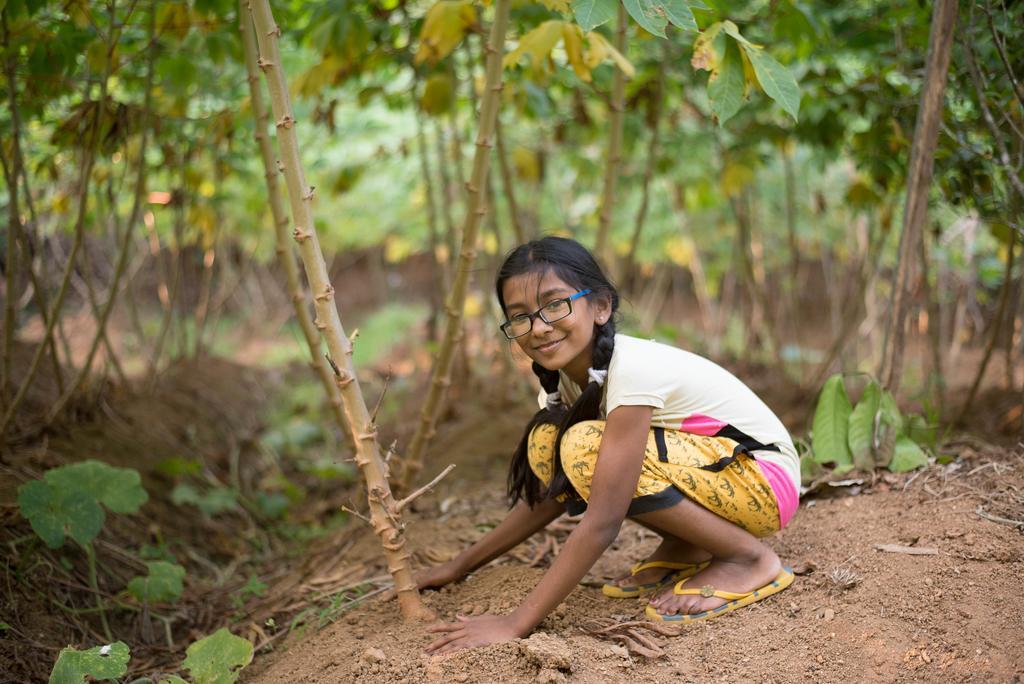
[[211, 502], [3, 625], [592, 13], [810, 470], [163, 583], [725, 85], [731, 29], [907, 456], [649, 14], [99, 663], [776, 80], [861, 436], [680, 15], [831, 424], [218, 658], [172, 679], [54, 513], [119, 489]]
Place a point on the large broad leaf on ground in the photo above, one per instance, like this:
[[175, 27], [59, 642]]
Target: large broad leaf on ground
[[54, 513], [100, 663], [887, 427], [831, 424], [907, 456], [163, 583], [218, 658], [119, 489], [861, 436]]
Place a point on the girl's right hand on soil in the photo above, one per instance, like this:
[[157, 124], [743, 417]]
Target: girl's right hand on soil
[[438, 576]]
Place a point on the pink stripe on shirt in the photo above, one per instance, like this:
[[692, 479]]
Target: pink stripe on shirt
[[697, 424], [785, 493]]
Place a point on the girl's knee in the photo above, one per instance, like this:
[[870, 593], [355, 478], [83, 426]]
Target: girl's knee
[[584, 436], [580, 445], [540, 451]]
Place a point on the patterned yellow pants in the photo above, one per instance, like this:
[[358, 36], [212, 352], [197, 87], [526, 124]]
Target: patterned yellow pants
[[706, 470]]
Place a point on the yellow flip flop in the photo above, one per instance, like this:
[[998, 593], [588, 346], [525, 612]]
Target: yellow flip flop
[[683, 571], [781, 581]]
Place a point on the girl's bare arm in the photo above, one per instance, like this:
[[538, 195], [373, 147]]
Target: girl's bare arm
[[520, 523], [615, 477], [616, 474]]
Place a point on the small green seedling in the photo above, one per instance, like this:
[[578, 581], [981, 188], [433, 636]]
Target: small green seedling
[[99, 663], [162, 584], [872, 434], [211, 502], [218, 658]]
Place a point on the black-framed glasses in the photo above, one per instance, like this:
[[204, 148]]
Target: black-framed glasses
[[555, 310]]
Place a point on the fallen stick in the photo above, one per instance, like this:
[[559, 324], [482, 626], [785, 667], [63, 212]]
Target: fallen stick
[[996, 519], [909, 550]]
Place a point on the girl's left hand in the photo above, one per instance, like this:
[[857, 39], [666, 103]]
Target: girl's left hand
[[472, 631]]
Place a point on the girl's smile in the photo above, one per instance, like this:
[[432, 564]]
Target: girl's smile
[[567, 344]]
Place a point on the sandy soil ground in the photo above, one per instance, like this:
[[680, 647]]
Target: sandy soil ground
[[855, 613]]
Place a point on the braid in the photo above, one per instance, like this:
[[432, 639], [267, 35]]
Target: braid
[[604, 345], [587, 407], [548, 378], [522, 482]]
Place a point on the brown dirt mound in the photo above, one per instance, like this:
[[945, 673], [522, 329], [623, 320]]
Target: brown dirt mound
[[855, 613]]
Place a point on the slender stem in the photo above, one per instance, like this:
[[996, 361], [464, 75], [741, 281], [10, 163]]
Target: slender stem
[[611, 169], [90, 554], [428, 188], [508, 184], [652, 158], [88, 159], [455, 305], [919, 177], [997, 323], [383, 511], [285, 253]]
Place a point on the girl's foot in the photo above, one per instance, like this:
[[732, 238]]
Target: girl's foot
[[737, 575], [670, 549]]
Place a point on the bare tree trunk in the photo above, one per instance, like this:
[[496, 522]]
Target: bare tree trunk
[[88, 159], [476, 189], [285, 255], [447, 200], [611, 170], [428, 188], [919, 178], [508, 184], [936, 379], [385, 512], [997, 322], [652, 159], [168, 293]]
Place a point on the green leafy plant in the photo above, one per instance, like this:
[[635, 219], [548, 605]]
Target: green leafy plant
[[872, 434], [218, 658], [211, 502], [162, 584], [69, 502], [99, 664]]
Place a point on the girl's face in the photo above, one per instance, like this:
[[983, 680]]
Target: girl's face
[[567, 344]]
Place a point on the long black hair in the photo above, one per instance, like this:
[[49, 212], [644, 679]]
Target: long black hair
[[573, 264]]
